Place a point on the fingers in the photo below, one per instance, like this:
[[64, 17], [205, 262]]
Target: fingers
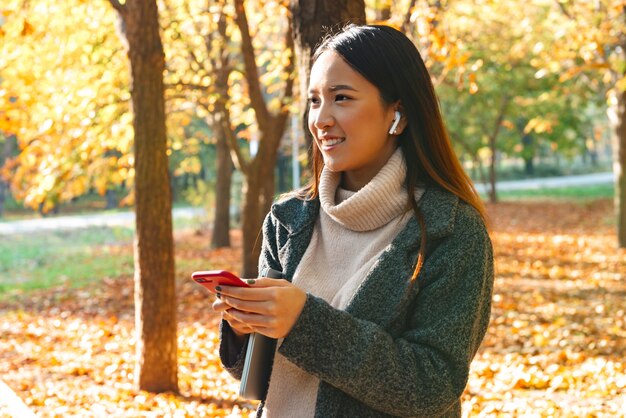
[[260, 289], [220, 306], [262, 306], [268, 282], [252, 320], [239, 327], [270, 306]]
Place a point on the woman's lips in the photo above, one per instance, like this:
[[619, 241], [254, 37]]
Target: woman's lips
[[330, 142]]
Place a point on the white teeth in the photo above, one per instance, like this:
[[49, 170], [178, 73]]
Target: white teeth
[[331, 142]]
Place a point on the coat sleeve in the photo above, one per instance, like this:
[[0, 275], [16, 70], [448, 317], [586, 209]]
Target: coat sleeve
[[232, 350], [423, 372]]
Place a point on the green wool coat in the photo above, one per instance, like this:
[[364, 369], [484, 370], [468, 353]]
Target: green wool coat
[[393, 351]]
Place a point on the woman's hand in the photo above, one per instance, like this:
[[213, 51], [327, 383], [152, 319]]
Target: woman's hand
[[270, 307], [239, 328]]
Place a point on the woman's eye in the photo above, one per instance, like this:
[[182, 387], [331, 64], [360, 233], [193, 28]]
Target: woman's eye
[[313, 101], [341, 98]]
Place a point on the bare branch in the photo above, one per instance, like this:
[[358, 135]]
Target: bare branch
[[188, 86], [252, 72], [121, 8], [501, 114], [406, 22], [289, 69], [281, 118], [235, 150], [564, 10]]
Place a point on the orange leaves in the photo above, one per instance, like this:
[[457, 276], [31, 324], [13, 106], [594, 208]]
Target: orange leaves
[[556, 337], [70, 352], [588, 41], [27, 28], [70, 89], [555, 345]]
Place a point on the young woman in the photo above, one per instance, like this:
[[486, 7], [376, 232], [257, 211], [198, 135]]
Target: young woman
[[388, 262]]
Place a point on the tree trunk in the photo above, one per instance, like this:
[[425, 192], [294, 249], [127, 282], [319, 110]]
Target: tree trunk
[[308, 20], [251, 224], [268, 185], [480, 168], [221, 222], [619, 165], [383, 12], [221, 124], [3, 194], [7, 151], [529, 166], [155, 292], [258, 199], [493, 196], [260, 169], [111, 199]]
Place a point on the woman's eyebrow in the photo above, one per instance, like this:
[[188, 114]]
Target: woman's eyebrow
[[334, 88], [341, 87]]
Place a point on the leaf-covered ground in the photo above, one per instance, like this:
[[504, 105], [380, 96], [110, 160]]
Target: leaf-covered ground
[[556, 345]]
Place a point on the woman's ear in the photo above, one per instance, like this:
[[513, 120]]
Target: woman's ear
[[396, 121], [399, 121]]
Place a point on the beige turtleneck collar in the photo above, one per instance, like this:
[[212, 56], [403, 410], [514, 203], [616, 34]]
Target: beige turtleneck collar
[[374, 205]]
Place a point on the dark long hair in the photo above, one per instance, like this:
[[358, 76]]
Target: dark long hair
[[392, 63]]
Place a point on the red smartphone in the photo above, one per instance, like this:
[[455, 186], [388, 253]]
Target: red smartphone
[[212, 278]]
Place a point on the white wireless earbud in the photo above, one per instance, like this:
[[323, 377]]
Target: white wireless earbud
[[396, 121]]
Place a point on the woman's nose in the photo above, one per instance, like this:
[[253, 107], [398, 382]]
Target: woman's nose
[[323, 117]]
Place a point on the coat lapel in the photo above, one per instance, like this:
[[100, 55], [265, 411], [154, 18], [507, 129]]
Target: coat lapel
[[297, 218], [381, 295]]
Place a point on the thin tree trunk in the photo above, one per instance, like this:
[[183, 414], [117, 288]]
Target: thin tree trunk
[[221, 222], [268, 185], [258, 198], [7, 151], [111, 199], [619, 165], [260, 170], [619, 149], [251, 223], [221, 123], [3, 193], [155, 296], [383, 12], [493, 196], [480, 169]]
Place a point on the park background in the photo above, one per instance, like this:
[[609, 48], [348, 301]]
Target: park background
[[111, 107]]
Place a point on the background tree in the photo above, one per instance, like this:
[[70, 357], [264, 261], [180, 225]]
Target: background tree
[[244, 96], [7, 150], [270, 122], [593, 41], [155, 295], [496, 101], [199, 64], [70, 100]]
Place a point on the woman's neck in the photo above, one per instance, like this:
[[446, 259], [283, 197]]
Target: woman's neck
[[354, 180]]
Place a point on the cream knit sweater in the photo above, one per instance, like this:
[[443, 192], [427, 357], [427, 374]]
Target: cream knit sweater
[[353, 229]]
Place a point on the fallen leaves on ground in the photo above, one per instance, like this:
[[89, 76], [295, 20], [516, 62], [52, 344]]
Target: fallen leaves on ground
[[557, 340], [555, 347]]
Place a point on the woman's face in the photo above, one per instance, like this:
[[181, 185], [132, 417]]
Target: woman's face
[[349, 121]]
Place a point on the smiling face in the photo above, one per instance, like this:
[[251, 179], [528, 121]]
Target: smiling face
[[349, 121]]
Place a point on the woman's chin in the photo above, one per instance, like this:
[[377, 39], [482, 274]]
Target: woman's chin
[[332, 166]]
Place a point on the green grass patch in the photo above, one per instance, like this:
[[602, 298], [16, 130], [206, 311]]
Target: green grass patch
[[74, 258], [562, 193]]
